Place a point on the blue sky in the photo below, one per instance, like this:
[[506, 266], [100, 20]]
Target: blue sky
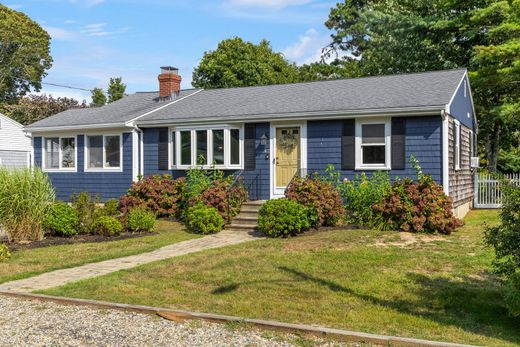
[[93, 40]]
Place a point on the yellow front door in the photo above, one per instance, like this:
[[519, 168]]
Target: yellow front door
[[287, 155]]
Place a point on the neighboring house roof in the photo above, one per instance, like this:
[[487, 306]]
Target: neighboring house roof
[[417, 91]]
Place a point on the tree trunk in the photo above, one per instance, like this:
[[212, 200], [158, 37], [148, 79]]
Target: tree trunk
[[492, 147]]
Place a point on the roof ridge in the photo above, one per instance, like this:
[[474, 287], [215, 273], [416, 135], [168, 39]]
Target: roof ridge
[[341, 79]]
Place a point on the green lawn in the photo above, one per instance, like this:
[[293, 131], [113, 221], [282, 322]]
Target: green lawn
[[433, 287], [30, 262]]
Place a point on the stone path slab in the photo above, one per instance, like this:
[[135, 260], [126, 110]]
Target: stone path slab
[[64, 276]]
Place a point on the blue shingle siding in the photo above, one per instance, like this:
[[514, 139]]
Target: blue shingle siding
[[109, 185], [258, 181], [423, 139], [252, 182], [461, 106]]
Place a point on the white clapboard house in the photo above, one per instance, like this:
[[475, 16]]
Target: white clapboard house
[[15, 144]]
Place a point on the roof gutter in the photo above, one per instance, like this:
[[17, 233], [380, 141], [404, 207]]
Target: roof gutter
[[412, 111], [57, 128]]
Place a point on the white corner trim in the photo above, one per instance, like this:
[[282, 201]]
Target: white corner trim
[[445, 154], [135, 155], [130, 122]]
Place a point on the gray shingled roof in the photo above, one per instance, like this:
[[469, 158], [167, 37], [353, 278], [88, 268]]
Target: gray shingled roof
[[419, 90], [118, 112]]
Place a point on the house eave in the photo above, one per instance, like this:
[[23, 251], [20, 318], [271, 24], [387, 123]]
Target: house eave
[[319, 115], [61, 128]]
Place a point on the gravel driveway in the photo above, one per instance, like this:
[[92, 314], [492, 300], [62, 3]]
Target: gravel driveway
[[37, 323]]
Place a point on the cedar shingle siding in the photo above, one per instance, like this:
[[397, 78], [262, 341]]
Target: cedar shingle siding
[[461, 181]]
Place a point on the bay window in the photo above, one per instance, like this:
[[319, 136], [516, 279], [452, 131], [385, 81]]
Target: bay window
[[59, 153], [219, 147], [103, 152], [373, 144]]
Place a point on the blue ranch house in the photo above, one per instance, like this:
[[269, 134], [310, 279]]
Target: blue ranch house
[[270, 133]]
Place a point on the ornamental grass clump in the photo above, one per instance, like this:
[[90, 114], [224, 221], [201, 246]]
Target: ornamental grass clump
[[25, 197]]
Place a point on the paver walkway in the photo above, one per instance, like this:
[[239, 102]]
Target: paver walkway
[[61, 277]]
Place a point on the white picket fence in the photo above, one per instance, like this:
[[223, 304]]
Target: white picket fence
[[488, 192]]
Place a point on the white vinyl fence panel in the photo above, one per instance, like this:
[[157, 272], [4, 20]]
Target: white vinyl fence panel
[[488, 192]]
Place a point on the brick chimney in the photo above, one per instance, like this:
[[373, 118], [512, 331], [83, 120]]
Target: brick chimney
[[169, 82]]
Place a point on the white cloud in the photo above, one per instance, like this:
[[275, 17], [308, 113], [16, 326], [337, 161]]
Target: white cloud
[[308, 48], [66, 93], [98, 29], [59, 33], [267, 4], [69, 21]]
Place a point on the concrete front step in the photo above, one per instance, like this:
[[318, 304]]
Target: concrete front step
[[254, 203], [244, 227]]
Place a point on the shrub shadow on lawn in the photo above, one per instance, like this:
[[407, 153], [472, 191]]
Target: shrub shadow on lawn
[[474, 304]]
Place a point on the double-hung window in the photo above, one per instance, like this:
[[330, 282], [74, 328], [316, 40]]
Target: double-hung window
[[59, 153], [103, 152], [373, 144], [456, 147], [218, 146]]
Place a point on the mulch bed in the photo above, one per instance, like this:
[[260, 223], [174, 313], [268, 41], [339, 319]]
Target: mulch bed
[[83, 238]]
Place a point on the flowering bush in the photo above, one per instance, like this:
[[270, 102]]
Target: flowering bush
[[283, 217], [319, 194], [216, 196], [418, 207], [160, 194], [361, 194]]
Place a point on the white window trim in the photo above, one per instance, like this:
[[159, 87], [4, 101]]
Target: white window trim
[[227, 147], [60, 169], [388, 136], [104, 168], [456, 146]]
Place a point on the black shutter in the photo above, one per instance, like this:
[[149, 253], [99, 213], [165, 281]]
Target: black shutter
[[250, 147], [398, 145], [163, 149], [348, 146]]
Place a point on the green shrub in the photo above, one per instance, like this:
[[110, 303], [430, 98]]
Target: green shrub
[[87, 209], [61, 220], [139, 220], [319, 194], [4, 252], [202, 219], [25, 197], [418, 207], [110, 208], [107, 226], [505, 239], [284, 217], [361, 194]]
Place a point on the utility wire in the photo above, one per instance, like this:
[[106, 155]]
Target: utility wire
[[64, 86]]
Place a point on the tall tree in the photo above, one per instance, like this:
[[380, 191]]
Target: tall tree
[[98, 97], [237, 63], [388, 37], [32, 108], [116, 89], [24, 55], [496, 79]]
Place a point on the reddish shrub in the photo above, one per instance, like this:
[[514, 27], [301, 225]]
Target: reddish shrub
[[319, 194], [216, 196], [160, 194], [418, 207]]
